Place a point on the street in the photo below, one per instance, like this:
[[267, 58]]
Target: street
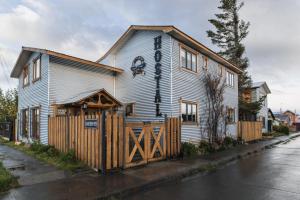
[[271, 174]]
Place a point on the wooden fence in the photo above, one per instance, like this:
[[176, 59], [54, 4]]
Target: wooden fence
[[106, 141], [249, 130]]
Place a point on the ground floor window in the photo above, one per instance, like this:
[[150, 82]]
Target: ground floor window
[[35, 123], [189, 112], [230, 115], [263, 121], [25, 119], [129, 109]]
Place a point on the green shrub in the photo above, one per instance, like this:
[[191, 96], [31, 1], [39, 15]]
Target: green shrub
[[281, 129], [52, 152], [69, 156], [189, 149], [229, 142], [205, 147], [7, 180]]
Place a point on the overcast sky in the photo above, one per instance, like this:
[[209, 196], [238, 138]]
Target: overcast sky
[[88, 28]]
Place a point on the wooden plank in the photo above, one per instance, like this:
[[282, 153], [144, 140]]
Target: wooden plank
[[127, 129], [169, 137], [115, 140], [97, 144], [172, 137], [108, 141], [178, 136], [93, 148], [100, 141], [121, 141], [164, 142]]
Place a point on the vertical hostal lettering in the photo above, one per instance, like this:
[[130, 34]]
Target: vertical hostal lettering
[[157, 57]]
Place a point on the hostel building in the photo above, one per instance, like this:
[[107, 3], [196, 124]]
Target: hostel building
[[150, 72]]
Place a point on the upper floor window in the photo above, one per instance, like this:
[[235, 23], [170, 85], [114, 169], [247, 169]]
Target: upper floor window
[[188, 59], [229, 79], [189, 112], [37, 68], [25, 76], [204, 62], [220, 70]]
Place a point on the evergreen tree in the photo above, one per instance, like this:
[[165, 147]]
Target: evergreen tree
[[229, 34]]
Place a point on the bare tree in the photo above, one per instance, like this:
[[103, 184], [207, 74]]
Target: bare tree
[[216, 116]]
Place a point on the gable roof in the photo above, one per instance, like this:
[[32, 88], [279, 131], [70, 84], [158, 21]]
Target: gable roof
[[27, 51], [261, 84], [176, 33], [86, 94]]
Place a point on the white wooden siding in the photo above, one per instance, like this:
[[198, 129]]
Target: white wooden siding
[[33, 95], [67, 80], [141, 89], [189, 86]]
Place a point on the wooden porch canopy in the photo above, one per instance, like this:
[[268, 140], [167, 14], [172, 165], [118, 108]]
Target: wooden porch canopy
[[95, 99]]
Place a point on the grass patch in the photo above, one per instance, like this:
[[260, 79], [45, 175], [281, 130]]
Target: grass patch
[[7, 180], [48, 154]]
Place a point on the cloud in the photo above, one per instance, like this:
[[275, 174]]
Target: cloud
[[88, 28]]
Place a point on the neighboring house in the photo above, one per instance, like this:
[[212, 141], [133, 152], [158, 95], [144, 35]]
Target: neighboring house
[[283, 119], [297, 123], [255, 93], [151, 71], [271, 120], [291, 115]]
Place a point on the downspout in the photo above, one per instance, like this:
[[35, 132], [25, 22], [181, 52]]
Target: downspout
[[171, 75]]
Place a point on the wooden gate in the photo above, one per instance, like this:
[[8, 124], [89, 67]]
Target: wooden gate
[[151, 142]]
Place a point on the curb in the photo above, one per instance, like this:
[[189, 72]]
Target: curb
[[205, 168]]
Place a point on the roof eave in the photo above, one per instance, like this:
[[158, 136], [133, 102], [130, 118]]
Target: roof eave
[[171, 30]]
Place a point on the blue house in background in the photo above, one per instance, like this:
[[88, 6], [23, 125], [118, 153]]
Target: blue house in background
[[151, 71]]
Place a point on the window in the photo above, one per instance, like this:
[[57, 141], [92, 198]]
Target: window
[[25, 122], [189, 112], [229, 79], [37, 68], [220, 70], [25, 76], [263, 122], [129, 109], [35, 123], [188, 60], [204, 62], [230, 114]]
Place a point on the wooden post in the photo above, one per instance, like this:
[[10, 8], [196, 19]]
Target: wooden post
[[103, 142], [67, 132]]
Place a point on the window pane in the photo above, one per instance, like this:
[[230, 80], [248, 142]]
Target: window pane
[[182, 57], [189, 60], [189, 110], [194, 113], [194, 62], [38, 67], [220, 70], [183, 112]]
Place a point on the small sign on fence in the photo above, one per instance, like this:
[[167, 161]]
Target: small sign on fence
[[90, 123]]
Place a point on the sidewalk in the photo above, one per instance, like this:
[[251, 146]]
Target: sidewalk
[[94, 186], [29, 170]]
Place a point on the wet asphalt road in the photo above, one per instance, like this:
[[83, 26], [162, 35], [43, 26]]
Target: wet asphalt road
[[272, 174]]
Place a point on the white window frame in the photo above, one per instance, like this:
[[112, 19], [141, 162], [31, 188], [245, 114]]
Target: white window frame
[[230, 78], [36, 68], [193, 56]]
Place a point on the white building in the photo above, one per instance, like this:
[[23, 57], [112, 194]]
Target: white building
[[152, 70]]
